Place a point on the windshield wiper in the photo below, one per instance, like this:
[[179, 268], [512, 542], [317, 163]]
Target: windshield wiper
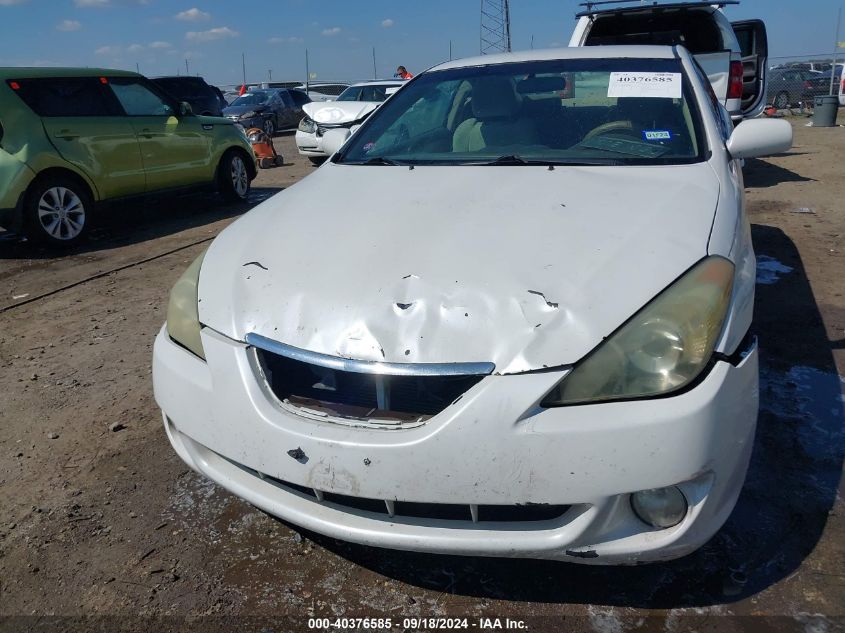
[[376, 160], [515, 159]]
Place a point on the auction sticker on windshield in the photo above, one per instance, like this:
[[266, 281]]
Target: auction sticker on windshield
[[632, 84]]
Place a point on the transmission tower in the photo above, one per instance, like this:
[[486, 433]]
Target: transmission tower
[[495, 27]]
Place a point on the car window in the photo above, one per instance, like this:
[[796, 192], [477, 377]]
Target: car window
[[374, 93], [299, 97], [284, 96], [252, 98], [182, 87], [137, 99], [631, 111], [695, 29], [65, 96], [353, 93]]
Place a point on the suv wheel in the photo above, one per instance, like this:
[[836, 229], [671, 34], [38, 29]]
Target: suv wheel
[[233, 176], [57, 211], [269, 127]]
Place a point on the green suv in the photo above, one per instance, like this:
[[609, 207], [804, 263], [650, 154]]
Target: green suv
[[73, 138]]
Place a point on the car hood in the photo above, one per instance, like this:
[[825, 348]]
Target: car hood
[[332, 112], [524, 267], [243, 109]]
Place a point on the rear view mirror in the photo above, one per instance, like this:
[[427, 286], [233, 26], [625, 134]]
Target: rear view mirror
[[334, 139], [759, 137], [534, 85], [185, 109]]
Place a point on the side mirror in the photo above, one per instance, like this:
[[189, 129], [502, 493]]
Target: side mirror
[[759, 137], [334, 139], [185, 109]]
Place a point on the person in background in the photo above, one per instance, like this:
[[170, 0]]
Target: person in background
[[402, 73]]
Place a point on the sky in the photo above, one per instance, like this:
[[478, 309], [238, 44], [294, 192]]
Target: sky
[[158, 36]]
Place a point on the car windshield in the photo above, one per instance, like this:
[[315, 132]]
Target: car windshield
[[251, 98], [577, 111]]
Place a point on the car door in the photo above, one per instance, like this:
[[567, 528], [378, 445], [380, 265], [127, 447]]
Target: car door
[[754, 48], [175, 150], [88, 130]]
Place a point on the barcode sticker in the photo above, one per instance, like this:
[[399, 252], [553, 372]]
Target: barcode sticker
[[660, 85]]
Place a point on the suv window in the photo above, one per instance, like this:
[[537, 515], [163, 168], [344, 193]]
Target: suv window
[[299, 97], [284, 95], [183, 87], [696, 30], [138, 100], [65, 96]]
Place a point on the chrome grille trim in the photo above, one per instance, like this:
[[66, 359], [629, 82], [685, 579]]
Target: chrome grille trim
[[368, 366]]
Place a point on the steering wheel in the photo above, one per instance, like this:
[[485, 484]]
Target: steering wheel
[[617, 127]]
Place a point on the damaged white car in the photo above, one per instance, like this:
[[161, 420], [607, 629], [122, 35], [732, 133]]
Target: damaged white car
[[353, 105], [540, 347]]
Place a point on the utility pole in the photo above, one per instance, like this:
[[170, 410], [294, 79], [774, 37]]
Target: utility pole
[[243, 67], [187, 71], [375, 72], [137, 68], [450, 50], [270, 74], [835, 47]]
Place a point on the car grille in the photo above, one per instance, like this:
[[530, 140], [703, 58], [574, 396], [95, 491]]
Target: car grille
[[463, 515], [387, 401]]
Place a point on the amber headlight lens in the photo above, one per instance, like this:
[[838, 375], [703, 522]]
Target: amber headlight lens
[[664, 347], [307, 125], [183, 323]]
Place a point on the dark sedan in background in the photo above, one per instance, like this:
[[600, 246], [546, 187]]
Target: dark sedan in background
[[270, 109]]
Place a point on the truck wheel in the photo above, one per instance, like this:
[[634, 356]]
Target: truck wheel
[[782, 100], [57, 211], [233, 177]]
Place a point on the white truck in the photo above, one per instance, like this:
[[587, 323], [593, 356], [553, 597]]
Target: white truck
[[733, 55]]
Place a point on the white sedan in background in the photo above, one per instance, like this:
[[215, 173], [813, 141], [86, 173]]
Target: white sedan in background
[[542, 346], [350, 108]]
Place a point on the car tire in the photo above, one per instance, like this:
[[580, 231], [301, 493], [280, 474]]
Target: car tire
[[57, 211], [317, 160], [781, 101], [269, 127], [233, 176]]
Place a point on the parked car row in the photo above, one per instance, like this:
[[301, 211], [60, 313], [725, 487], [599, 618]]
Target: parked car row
[[790, 86], [74, 139], [269, 109]]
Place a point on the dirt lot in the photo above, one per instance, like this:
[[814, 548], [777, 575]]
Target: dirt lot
[[98, 517]]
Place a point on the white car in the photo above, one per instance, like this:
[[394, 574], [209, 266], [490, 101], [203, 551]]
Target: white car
[[519, 325], [352, 106]]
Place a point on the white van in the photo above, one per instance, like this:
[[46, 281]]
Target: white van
[[733, 55]]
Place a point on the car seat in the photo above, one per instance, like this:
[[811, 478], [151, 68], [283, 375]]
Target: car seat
[[495, 121]]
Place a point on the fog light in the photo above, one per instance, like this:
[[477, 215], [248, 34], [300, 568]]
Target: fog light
[[660, 507]]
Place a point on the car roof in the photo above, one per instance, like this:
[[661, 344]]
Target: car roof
[[180, 77], [39, 72], [569, 52], [380, 82], [634, 8]]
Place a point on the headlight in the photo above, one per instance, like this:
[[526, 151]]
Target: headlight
[[248, 115], [664, 347], [183, 324], [307, 125]]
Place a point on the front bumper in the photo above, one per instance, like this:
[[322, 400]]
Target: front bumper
[[494, 446], [309, 144]]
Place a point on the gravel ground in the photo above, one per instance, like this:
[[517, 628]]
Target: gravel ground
[[100, 520]]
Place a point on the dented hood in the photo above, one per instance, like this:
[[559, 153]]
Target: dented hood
[[524, 267], [333, 112]]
